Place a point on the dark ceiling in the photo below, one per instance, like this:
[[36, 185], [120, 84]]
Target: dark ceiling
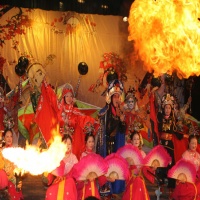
[[103, 7]]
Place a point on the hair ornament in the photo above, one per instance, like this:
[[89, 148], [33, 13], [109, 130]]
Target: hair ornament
[[168, 100], [8, 122], [115, 87]]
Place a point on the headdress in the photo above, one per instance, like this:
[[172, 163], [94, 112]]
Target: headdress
[[168, 100], [90, 166], [67, 88], [88, 128], [130, 151], [184, 171], [115, 87], [159, 154], [130, 94], [8, 122], [117, 166], [31, 65]]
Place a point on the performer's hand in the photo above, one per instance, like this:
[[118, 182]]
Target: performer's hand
[[122, 118], [110, 179], [58, 179], [19, 186]]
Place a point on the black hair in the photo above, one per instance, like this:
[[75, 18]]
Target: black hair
[[66, 136], [140, 137], [89, 135], [192, 136], [134, 133], [6, 130]]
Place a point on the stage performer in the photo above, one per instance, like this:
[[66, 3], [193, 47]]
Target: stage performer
[[111, 135], [184, 172], [130, 112], [168, 132], [73, 122], [191, 153], [14, 189], [60, 181], [90, 186], [136, 188], [4, 195]]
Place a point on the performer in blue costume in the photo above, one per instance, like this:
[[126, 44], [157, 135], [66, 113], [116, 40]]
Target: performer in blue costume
[[111, 135]]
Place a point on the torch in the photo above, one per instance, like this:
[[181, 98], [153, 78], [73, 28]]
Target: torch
[[18, 175]]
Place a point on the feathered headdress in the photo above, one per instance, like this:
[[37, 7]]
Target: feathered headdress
[[130, 151], [183, 171], [90, 167], [114, 87], [168, 100], [158, 155], [117, 167]]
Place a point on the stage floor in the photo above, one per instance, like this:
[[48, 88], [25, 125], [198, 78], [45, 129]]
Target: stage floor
[[33, 189]]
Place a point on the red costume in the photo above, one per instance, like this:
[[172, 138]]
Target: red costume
[[65, 189], [77, 121]]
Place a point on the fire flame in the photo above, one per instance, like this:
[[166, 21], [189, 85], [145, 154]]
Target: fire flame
[[166, 35], [34, 161]]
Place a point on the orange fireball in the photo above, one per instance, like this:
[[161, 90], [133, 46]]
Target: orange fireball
[[166, 35]]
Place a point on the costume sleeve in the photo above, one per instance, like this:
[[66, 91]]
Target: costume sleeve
[[179, 135], [122, 127]]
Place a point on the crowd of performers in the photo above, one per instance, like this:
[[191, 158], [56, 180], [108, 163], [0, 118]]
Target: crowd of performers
[[105, 157]]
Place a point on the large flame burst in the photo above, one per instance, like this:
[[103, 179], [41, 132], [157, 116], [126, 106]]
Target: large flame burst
[[166, 35], [34, 161]]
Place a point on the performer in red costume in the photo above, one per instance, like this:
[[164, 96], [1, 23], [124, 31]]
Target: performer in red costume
[[72, 121], [14, 189]]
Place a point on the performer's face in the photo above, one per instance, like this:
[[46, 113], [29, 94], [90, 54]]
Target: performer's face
[[36, 73], [68, 98], [8, 138], [155, 164], [193, 144], [136, 140], [90, 143], [69, 145], [130, 103], [167, 110], [116, 100]]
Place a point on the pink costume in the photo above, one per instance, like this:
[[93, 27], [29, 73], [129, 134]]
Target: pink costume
[[65, 189], [192, 156], [87, 188], [136, 188], [69, 161]]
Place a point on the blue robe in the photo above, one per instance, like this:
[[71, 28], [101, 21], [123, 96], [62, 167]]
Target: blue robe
[[111, 137]]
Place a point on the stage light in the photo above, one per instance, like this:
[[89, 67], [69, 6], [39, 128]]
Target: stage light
[[125, 19]]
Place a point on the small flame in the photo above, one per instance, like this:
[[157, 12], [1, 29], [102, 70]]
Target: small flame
[[166, 35], [19, 171], [34, 161]]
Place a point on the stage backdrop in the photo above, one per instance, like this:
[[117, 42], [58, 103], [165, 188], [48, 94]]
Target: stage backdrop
[[60, 41]]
